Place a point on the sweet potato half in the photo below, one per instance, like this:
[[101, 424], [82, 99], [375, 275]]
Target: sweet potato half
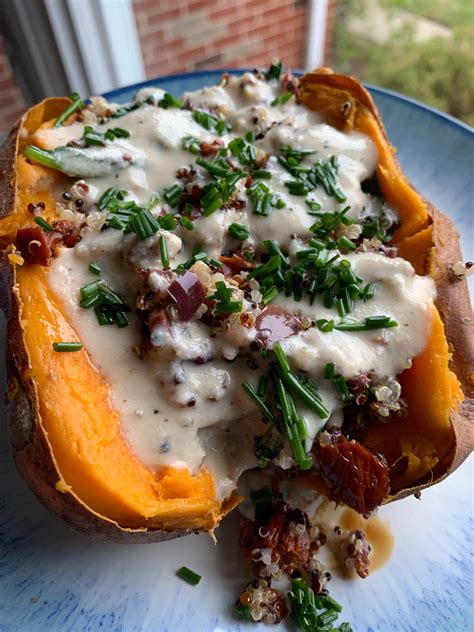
[[65, 435]]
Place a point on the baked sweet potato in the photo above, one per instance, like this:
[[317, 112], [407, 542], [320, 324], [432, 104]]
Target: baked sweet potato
[[65, 434]]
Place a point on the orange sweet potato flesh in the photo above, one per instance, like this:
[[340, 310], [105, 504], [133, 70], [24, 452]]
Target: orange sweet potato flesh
[[65, 434], [436, 435]]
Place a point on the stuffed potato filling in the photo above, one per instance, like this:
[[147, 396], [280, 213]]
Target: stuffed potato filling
[[225, 260]]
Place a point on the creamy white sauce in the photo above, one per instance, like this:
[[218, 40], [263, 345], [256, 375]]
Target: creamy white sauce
[[182, 403]]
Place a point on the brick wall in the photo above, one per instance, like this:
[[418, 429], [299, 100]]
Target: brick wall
[[184, 35], [12, 103]]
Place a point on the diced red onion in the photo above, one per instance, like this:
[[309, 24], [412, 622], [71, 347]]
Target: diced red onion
[[188, 293], [274, 324]]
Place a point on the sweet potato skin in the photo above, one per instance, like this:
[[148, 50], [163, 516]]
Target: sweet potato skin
[[350, 103], [32, 453], [30, 446]]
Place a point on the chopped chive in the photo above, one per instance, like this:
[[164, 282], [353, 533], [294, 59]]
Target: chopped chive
[[167, 222], [223, 292], [282, 99], [95, 267], [270, 294], [187, 223], [42, 156], [198, 256], [192, 144], [369, 290], [107, 196], [120, 319], [380, 321], [109, 305], [329, 370], [76, 104], [103, 315], [344, 243], [258, 401], [293, 428], [212, 167], [43, 223], [262, 386], [188, 575], [296, 187], [274, 71], [169, 101], [211, 122], [281, 357], [314, 207], [215, 262], [164, 253], [172, 194], [144, 224], [262, 174], [296, 387], [236, 146], [371, 322], [238, 231], [212, 207], [232, 307], [272, 247], [341, 308], [67, 346], [325, 325], [347, 300]]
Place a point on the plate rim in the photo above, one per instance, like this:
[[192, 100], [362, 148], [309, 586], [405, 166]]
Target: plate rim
[[433, 112]]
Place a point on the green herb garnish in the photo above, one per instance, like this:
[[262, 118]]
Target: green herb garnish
[[338, 381], [321, 174], [244, 152], [43, 224], [76, 104], [263, 199], [188, 575], [67, 346], [143, 223], [187, 223], [172, 194], [211, 122], [110, 307], [282, 98], [223, 297], [261, 174], [164, 252], [311, 612], [169, 101], [261, 405], [296, 386], [95, 268], [371, 322], [81, 161], [192, 144], [238, 231], [242, 611], [274, 71]]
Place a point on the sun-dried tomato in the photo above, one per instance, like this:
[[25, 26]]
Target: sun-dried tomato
[[354, 475], [210, 148], [236, 263]]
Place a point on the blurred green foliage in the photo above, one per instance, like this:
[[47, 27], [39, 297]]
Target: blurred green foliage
[[438, 71]]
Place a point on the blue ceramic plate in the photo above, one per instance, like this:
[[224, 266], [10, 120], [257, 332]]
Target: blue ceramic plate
[[54, 580]]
